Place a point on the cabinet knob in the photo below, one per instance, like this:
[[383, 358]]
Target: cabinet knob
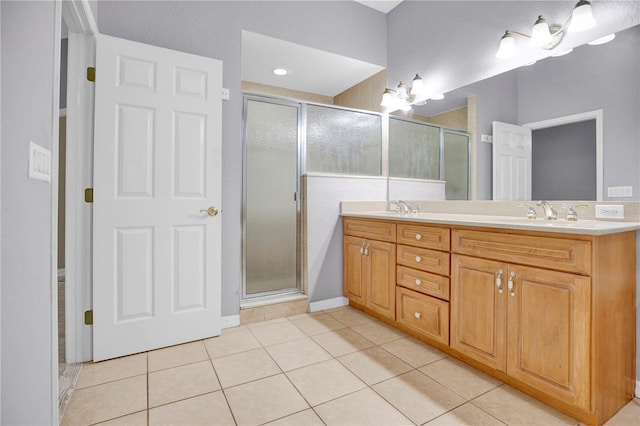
[[417, 315], [418, 258], [418, 237], [418, 282]]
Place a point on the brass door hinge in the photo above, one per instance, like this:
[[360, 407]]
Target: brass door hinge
[[88, 195], [88, 317], [91, 74]]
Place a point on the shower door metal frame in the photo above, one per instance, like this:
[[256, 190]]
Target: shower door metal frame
[[442, 130], [298, 198]]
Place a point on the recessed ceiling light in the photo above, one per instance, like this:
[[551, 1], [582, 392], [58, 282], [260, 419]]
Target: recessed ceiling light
[[602, 40], [281, 71], [437, 96]]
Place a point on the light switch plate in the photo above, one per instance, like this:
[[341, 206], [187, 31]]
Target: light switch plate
[[39, 162]]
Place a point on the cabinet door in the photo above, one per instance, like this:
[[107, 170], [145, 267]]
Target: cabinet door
[[353, 279], [549, 332], [380, 261], [478, 310]]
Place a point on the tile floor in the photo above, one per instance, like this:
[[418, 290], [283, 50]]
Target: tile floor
[[333, 367]]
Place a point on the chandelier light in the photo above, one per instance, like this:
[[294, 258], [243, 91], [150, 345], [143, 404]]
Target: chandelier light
[[404, 97], [548, 36]]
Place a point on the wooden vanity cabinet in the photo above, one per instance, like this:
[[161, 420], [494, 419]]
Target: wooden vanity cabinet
[[531, 323], [369, 267], [550, 314], [553, 313]]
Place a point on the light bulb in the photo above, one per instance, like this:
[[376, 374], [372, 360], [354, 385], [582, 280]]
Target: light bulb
[[507, 46], [387, 98], [581, 17], [402, 91], [417, 87], [540, 34]]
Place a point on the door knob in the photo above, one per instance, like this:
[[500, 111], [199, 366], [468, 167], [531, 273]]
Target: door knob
[[211, 211]]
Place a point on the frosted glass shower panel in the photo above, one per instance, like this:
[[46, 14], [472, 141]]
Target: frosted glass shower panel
[[344, 142], [271, 212], [456, 165], [414, 150]]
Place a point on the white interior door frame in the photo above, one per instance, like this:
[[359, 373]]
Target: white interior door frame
[[79, 175], [597, 115], [55, 110]]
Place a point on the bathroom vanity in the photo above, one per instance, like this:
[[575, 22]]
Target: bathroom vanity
[[547, 308]]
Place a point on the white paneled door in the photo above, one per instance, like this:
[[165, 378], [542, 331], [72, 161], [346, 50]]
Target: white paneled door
[[511, 162], [157, 184]]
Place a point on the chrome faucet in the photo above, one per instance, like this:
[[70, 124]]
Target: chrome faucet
[[549, 212], [404, 207]]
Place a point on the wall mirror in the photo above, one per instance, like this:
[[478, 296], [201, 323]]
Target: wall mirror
[[591, 79]]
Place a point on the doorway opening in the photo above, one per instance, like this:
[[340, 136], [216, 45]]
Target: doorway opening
[[580, 153]]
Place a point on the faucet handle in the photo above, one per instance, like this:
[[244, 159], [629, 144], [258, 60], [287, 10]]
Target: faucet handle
[[572, 215], [531, 212]]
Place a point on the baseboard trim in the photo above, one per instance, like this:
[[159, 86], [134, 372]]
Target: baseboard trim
[[231, 321], [637, 388], [328, 304]]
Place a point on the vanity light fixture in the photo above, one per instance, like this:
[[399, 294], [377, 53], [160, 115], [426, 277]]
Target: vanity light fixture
[[404, 97], [548, 36]]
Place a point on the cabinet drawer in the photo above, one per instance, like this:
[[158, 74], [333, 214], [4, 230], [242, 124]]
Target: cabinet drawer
[[424, 236], [371, 229], [425, 314], [424, 282], [546, 252], [423, 259]]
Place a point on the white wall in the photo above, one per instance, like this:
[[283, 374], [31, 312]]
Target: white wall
[[323, 195], [405, 189], [28, 50]]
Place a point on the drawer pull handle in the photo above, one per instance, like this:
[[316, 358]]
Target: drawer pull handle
[[499, 280], [418, 237], [510, 284], [362, 249], [417, 315], [366, 250], [418, 282], [418, 258]]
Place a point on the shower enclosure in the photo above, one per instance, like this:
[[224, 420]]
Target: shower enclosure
[[271, 211]]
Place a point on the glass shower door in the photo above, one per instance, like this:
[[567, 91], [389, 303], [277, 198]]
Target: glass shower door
[[271, 207]]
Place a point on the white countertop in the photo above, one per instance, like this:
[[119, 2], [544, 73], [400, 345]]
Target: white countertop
[[584, 227]]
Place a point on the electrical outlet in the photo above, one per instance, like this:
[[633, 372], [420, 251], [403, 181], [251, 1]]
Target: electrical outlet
[[609, 212], [225, 94]]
